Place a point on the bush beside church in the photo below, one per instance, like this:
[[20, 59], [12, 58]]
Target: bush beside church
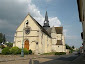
[[15, 51]]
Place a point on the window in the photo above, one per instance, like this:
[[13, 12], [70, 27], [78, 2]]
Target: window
[[59, 42]]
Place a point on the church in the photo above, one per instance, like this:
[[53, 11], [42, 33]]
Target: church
[[40, 39]]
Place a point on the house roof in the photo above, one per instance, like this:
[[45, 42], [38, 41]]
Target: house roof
[[59, 30], [59, 42], [49, 30], [42, 29]]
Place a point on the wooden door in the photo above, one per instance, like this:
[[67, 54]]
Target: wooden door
[[26, 44]]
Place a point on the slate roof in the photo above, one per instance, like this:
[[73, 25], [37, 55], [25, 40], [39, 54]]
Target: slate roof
[[49, 30], [59, 42]]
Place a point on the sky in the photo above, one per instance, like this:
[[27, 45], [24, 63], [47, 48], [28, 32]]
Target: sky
[[60, 12]]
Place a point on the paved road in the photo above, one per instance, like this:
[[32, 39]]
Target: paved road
[[42, 59], [66, 59]]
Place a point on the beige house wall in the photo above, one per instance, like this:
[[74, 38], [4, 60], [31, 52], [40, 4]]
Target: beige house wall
[[81, 8], [55, 37]]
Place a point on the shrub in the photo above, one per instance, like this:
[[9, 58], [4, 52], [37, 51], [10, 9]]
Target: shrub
[[15, 50], [26, 51], [6, 51], [30, 51], [71, 51], [2, 46], [60, 53], [50, 53]]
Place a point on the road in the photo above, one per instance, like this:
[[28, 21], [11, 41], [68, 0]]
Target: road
[[66, 59], [42, 59]]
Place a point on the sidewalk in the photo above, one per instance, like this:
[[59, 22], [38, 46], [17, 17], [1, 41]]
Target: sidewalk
[[6, 58], [79, 60]]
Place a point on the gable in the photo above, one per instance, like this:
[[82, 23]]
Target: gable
[[33, 24]]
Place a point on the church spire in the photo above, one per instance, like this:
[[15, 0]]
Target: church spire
[[46, 22], [46, 16]]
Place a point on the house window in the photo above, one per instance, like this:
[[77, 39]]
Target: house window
[[59, 42]]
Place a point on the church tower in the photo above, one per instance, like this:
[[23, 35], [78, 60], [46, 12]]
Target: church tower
[[46, 22]]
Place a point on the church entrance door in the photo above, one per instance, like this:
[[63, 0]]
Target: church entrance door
[[26, 44]]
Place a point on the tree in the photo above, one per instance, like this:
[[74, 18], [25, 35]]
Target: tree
[[67, 46], [70, 48], [9, 44], [73, 47], [2, 38]]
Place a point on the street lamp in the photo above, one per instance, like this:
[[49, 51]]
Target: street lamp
[[22, 51]]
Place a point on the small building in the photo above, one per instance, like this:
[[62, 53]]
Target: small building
[[81, 9], [40, 39]]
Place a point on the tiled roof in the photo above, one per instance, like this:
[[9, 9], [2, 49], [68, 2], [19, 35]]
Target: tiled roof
[[59, 30]]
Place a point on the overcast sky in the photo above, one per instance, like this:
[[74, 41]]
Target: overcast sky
[[61, 13]]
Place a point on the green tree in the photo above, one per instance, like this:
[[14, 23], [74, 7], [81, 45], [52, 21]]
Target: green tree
[[70, 48], [2, 38], [67, 46], [73, 47], [9, 44]]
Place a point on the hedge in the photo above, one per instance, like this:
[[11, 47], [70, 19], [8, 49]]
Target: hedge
[[60, 53], [25, 51]]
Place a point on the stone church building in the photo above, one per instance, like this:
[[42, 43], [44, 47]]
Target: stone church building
[[40, 39]]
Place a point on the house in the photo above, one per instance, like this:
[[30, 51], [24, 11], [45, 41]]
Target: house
[[81, 10]]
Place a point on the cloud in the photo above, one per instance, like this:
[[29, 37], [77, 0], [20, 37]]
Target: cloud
[[13, 12], [54, 21], [34, 11]]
